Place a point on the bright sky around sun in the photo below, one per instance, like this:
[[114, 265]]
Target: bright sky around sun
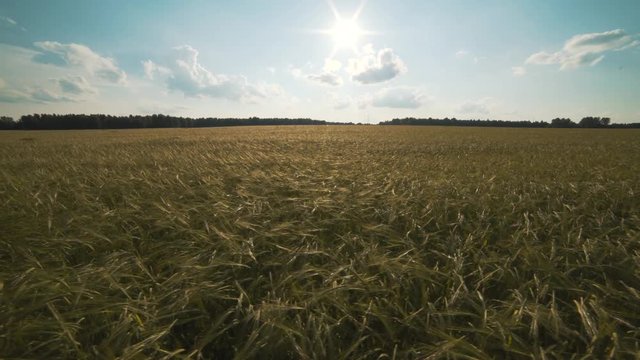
[[360, 61]]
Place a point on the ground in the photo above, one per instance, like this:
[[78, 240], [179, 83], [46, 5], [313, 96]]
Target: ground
[[320, 242]]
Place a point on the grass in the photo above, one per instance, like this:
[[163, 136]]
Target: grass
[[320, 243]]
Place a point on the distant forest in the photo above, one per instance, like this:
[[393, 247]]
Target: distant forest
[[586, 122], [100, 121]]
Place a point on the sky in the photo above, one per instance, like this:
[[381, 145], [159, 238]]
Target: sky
[[349, 60]]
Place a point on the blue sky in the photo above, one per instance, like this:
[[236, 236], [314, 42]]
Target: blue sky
[[514, 60]]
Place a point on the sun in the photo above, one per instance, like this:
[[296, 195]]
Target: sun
[[346, 33]]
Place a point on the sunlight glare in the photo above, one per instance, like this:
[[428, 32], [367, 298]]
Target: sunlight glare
[[346, 33]]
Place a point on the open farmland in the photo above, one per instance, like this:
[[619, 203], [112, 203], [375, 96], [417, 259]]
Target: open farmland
[[320, 242]]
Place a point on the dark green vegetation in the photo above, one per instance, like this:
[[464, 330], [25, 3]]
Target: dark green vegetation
[[102, 121], [586, 122], [320, 243]]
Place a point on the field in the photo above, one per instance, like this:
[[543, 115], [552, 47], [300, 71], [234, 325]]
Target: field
[[320, 242]]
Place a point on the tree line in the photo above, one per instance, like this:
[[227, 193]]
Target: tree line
[[101, 121], [456, 122], [586, 122]]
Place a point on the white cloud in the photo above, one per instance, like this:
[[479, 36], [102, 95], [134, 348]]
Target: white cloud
[[13, 96], [32, 79], [76, 85], [44, 95], [518, 71], [149, 68], [328, 75], [402, 97], [10, 95], [374, 67], [185, 73], [7, 21], [326, 78], [585, 49], [152, 69], [37, 95], [80, 56]]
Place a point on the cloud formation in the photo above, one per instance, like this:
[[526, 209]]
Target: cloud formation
[[185, 73], [76, 85], [10, 24], [44, 95], [585, 49], [328, 76], [375, 67], [402, 97], [6, 21], [151, 69], [10, 95], [82, 56]]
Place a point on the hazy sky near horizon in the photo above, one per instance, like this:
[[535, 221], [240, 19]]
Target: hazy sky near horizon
[[498, 59]]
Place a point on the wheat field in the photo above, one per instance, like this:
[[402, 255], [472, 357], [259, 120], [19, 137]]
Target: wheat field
[[320, 242]]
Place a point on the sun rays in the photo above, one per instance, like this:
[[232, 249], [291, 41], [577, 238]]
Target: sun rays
[[346, 32]]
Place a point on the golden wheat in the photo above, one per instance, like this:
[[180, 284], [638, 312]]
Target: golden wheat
[[320, 242]]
